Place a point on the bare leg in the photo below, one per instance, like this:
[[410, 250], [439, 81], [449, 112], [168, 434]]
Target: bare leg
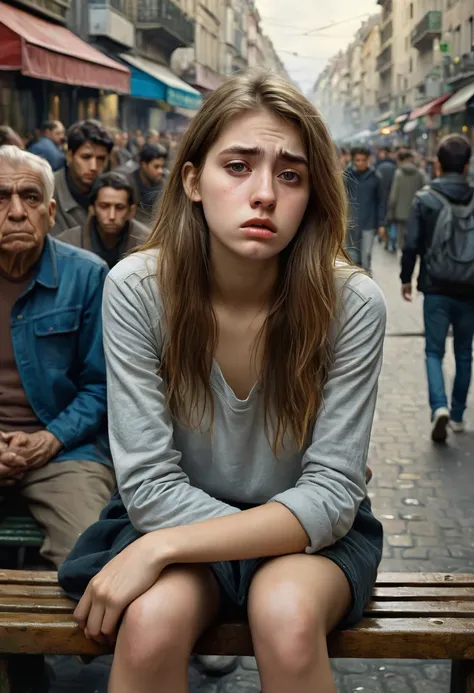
[[160, 629], [294, 602]]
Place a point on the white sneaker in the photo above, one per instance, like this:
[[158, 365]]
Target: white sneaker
[[439, 425], [457, 426], [217, 665]]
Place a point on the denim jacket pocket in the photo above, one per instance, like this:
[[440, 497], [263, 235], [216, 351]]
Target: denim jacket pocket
[[56, 336]]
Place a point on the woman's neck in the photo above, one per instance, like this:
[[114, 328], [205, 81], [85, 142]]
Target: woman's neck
[[242, 282]]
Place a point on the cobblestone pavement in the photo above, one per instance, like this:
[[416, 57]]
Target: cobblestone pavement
[[422, 493]]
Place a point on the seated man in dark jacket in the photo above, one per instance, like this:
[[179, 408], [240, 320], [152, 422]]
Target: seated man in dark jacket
[[53, 440], [445, 303], [111, 230]]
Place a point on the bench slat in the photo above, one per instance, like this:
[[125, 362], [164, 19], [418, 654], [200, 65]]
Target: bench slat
[[380, 609], [423, 593], [409, 608], [434, 579], [29, 577], [417, 638], [33, 591], [48, 605]]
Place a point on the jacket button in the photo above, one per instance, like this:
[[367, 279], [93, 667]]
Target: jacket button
[[19, 317], [51, 329]]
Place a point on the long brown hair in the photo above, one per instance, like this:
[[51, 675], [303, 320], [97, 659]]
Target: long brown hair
[[297, 352]]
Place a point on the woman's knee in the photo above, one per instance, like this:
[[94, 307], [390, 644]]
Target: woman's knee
[[163, 624], [287, 626]]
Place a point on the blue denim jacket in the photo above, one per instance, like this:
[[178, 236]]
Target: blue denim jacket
[[56, 328]]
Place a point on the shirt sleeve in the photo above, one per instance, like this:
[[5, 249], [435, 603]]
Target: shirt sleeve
[[327, 496], [154, 488]]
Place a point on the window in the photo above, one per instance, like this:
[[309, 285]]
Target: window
[[410, 69], [411, 10], [471, 32]]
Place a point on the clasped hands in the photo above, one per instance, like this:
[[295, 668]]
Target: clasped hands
[[21, 452]]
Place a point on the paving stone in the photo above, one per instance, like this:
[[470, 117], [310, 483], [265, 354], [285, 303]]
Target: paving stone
[[400, 540], [350, 666], [415, 552], [240, 683], [424, 529], [394, 526], [355, 682], [248, 663], [394, 683]]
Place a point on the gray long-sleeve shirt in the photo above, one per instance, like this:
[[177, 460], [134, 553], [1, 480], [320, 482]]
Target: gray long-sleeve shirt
[[170, 475]]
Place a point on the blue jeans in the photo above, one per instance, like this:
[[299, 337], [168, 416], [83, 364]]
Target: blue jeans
[[439, 313]]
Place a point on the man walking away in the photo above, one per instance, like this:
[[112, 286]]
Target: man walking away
[[407, 181], [366, 207], [441, 232], [48, 146]]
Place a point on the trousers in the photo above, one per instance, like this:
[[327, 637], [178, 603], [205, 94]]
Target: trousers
[[65, 498]]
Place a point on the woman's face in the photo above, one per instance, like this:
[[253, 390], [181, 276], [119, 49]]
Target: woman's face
[[254, 187]]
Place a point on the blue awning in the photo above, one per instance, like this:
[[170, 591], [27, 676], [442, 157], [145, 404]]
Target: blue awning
[[151, 80]]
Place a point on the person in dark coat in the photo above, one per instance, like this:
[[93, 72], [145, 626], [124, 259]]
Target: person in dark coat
[[367, 207], [111, 232], [408, 179], [386, 167]]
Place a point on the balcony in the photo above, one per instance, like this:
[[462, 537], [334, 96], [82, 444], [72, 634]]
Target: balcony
[[107, 19], [460, 69], [386, 34], [387, 9], [384, 60], [428, 29], [171, 27], [49, 9]]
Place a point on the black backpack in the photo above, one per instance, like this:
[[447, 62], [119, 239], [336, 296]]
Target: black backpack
[[450, 257]]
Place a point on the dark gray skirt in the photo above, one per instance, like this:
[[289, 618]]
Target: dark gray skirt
[[358, 554]]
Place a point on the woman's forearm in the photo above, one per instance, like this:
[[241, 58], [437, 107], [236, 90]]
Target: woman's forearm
[[269, 530]]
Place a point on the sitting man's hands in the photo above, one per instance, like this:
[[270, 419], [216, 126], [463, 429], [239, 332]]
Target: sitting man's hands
[[12, 465], [35, 449]]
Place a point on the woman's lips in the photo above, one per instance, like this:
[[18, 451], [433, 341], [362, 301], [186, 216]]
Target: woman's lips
[[257, 232]]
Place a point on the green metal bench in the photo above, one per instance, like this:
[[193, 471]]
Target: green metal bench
[[20, 532]]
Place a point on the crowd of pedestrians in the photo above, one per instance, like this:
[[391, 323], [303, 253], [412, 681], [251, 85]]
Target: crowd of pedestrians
[[428, 214]]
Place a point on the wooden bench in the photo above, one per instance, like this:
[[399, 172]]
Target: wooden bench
[[411, 616]]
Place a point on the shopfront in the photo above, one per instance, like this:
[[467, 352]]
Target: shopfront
[[46, 71]]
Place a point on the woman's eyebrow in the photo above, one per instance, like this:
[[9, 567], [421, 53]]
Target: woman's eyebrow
[[241, 150]]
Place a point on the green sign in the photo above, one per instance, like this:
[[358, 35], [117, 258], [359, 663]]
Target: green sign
[[444, 47]]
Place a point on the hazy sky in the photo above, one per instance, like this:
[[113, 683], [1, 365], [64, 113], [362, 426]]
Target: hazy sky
[[286, 22]]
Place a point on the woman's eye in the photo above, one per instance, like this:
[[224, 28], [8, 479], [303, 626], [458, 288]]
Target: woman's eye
[[237, 167], [290, 176]]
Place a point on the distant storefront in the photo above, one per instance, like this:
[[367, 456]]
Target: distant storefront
[[46, 71]]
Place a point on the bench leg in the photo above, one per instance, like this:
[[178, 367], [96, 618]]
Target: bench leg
[[4, 681], [462, 676]]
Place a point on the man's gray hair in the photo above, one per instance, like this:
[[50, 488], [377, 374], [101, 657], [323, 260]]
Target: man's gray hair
[[9, 154]]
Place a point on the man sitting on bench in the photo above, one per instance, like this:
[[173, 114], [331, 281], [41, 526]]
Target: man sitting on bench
[[53, 441]]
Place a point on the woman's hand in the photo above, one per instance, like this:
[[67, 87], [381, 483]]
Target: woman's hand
[[119, 583]]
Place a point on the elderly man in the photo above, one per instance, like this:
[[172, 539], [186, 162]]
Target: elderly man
[[53, 443], [89, 145]]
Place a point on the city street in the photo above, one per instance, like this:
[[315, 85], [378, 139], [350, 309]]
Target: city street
[[423, 494]]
